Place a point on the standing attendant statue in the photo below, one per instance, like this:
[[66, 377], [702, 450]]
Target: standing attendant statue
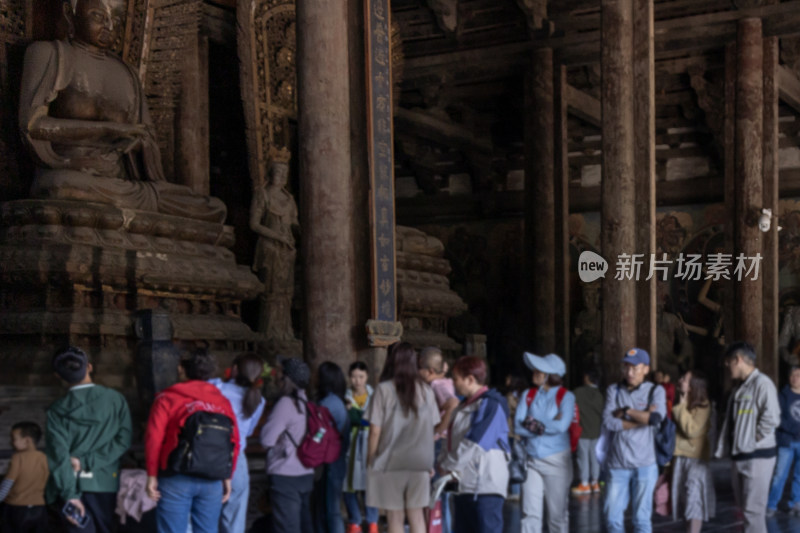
[[84, 117], [273, 216]]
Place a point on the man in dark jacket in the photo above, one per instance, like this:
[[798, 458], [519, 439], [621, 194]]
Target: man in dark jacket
[[87, 432], [788, 435]]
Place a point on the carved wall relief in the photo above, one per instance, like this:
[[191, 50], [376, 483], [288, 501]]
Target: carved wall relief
[[157, 36], [267, 51]]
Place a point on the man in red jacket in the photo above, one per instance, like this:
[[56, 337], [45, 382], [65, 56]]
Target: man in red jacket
[[183, 497]]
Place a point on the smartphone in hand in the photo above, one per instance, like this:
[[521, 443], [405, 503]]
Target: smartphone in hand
[[71, 511]]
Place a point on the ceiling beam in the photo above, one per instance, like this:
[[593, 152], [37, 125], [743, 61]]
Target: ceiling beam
[[673, 36], [509, 204], [440, 130], [789, 87], [584, 106]]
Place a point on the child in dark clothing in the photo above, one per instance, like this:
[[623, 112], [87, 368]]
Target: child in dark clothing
[[22, 490], [788, 436]]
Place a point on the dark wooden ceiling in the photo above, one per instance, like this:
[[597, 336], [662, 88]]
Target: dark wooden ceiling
[[463, 79]]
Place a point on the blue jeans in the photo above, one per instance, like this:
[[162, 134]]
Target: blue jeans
[[621, 483], [354, 511], [782, 469], [234, 513], [329, 498], [185, 498]]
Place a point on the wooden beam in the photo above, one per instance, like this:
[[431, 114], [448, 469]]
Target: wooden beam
[[442, 208], [789, 87], [584, 106], [440, 130], [673, 36]]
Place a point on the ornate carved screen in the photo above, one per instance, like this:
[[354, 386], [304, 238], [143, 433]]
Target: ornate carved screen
[[267, 45], [158, 34]]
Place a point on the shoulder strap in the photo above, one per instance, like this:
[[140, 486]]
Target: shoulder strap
[[531, 395], [560, 395], [651, 394], [286, 431]]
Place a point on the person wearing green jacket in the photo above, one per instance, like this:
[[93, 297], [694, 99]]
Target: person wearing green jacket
[[88, 430]]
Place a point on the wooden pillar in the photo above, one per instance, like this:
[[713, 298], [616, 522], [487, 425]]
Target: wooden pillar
[[540, 201], [725, 286], [561, 214], [326, 201], [769, 266], [193, 162], [748, 177], [618, 190], [644, 113]]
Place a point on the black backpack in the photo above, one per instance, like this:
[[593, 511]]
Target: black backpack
[[204, 447], [664, 435]]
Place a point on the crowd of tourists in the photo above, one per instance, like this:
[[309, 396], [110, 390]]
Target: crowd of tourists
[[347, 456]]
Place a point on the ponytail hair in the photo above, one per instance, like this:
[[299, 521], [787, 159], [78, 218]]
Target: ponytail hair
[[249, 367]]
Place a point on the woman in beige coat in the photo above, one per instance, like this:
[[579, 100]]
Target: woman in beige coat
[[692, 487]]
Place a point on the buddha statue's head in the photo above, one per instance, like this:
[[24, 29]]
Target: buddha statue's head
[[95, 23]]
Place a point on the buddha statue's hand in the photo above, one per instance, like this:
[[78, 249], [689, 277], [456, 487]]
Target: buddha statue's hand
[[126, 133]]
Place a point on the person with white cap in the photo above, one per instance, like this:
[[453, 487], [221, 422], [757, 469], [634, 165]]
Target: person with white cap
[[631, 415], [543, 421]]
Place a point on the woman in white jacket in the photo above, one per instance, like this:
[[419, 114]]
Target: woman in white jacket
[[477, 450]]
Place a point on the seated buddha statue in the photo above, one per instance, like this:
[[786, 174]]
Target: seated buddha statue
[[84, 116]]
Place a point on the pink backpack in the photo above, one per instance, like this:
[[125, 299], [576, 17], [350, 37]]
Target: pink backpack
[[322, 443]]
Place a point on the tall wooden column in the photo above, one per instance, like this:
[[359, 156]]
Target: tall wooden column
[[326, 202], [644, 112], [618, 190], [561, 213], [729, 135], [748, 176], [769, 266], [540, 223]]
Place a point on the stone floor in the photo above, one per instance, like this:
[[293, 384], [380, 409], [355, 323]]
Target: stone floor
[[586, 513]]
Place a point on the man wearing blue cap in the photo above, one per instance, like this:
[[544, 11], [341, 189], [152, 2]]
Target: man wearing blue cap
[[631, 420]]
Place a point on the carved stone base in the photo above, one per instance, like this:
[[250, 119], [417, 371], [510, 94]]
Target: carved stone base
[[425, 299], [74, 272]]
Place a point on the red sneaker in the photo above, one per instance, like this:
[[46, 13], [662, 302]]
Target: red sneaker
[[353, 528], [373, 528]]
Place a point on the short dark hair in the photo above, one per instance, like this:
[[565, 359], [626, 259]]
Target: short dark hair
[[200, 364], [592, 375], [28, 429], [71, 364], [741, 349], [358, 365], [471, 365]]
